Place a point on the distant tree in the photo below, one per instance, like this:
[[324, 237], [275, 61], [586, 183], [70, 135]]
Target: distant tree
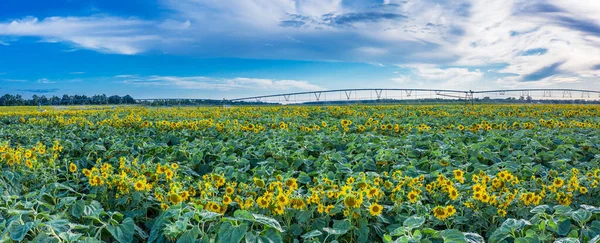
[[43, 100], [115, 99], [127, 99], [55, 100]]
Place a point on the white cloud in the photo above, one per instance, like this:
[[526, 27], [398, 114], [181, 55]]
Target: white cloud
[[432, 76], [222, 84], [45, 81], [13, 80], [175, 25], [100, 33], [401, 80], [498, 33], [49, 81]]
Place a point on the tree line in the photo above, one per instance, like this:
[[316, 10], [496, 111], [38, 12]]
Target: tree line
[[35, 100]]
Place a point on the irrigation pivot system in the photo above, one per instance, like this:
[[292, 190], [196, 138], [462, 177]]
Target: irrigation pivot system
[[416, 94]]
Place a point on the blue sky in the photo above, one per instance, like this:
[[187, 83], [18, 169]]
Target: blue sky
[[224, 49]]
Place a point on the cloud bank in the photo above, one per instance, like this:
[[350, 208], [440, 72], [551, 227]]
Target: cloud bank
[[505, 43]]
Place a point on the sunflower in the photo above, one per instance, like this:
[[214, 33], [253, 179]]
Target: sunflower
[[291, 183], [72, 168], [350, 201], [558, 182], [413, 196], [262, 202], [328, 209], [174, 166], [229, 190], [458, 173], [298, 203], [175, 198], [96, 181], [372, 193], [453, 193], [439, 212], [215, 207], [282, 200], [501, 212], [140, 185], [279, 210], [87, 172], [160, 169], [226, 200], [260, 183], [164, 206], [450, 210], [169, 174], [375, 209]]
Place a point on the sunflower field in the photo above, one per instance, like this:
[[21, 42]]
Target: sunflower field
[[357, 173]]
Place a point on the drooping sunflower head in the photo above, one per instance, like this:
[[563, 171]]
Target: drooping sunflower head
[[350, 201], [439, 212], [175, 198]]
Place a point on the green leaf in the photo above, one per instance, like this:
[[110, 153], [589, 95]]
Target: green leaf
[[363, 230], [272, 236], [69, 236], [474, 238], [581, 216], [564, 226], [58, 225], [304, 178], [514, 225], [243, 215], [590, 208], [595, 239], [252, 238], [341, 225], [295, 229], [453, 236], [208, 216], [540, 209], [562, 209], [19, 231], [188, 236], [232, 233], [124, 232], [312, 234], [333, 231], [303, 216], [414, 222], [271, 222], [77, 209], [157, 227], [521, 240], [567, 240]]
